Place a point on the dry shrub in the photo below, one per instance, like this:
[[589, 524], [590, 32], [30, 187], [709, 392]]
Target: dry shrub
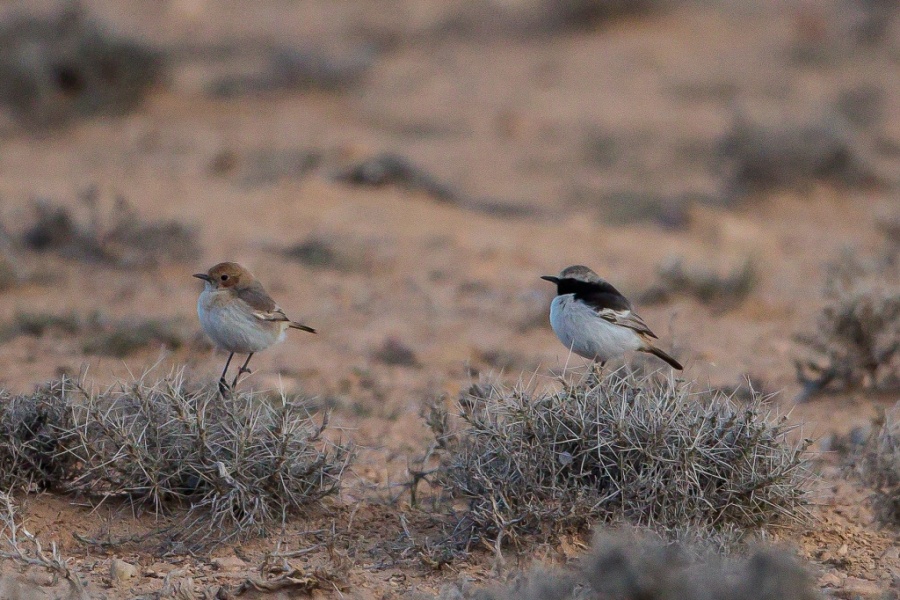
[[628, 566], [10, 273], [31, 429], [628, 207], [103, 336], [126, 336], [580, 14], [863, 106], [394, 352], [266, 166], [118, 236], [857, 338], [37, 324], [890, 227], [333, 252], [238, 464], [791, 155], [706, 285], [878, 23], [54, 70], [299, 69], [879, 465], [645, 449], [388, 169]]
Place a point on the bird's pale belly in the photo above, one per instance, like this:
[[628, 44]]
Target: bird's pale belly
[[234, 329], [579, 328]]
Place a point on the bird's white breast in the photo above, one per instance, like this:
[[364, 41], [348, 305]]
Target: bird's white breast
[[231, 325], [580, 329]]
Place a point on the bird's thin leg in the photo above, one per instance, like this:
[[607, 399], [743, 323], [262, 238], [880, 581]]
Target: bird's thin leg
[[223, 385], [241, 371]]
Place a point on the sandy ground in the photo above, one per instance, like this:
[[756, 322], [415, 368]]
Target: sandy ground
[[499, 115]]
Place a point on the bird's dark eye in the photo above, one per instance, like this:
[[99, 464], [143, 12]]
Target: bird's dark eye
[[224, 277]]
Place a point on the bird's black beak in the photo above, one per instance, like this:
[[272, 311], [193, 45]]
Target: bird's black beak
[[550, 278], [203, 276]]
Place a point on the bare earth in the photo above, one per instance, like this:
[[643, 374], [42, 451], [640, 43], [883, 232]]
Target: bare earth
[[500, 116]]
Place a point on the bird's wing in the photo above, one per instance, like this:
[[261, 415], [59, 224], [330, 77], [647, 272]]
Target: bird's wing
[[611, 305], [261, 304], [273, 315], [626, 318]]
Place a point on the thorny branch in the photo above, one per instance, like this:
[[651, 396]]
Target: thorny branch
[[23, 547]]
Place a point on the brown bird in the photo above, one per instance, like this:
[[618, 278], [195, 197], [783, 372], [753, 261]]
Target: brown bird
[[239, 316]]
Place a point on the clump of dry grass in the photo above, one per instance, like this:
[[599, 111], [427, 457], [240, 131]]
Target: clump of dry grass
[[307, 68], [118, 236], [705, 284], [103, 336], [330, 252], [234, 466], [37, 324], [393, 351], [388, 169], [628, 566], [10, 275], [628, 207], [792, 155], [58, 69], [580, 14], [644, 449], [266, 166], [123, 337], [879, 464], [32, 433], [857, 338]]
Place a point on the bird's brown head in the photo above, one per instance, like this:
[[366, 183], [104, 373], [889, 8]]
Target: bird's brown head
[[227, 275]]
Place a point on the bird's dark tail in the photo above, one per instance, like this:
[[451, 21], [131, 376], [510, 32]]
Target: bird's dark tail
[[301, 327], [660, 354]]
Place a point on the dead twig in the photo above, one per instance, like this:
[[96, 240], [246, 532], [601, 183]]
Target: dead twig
[[23, 547], [296, 580]]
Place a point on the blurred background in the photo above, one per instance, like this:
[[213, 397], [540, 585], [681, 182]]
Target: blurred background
[[399, 173]]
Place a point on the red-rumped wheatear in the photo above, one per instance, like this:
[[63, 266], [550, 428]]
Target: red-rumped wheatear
[[239, 316]]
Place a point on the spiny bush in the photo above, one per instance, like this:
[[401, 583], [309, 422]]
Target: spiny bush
[[705, 284], [857, 338], [103, 336], [240, 463], [579, 14], [879, 464], [754, 158], [114, 235], [627, 566], [644, 449], [56, 69]]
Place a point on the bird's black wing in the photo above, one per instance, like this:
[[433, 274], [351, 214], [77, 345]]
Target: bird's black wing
[[610, 304]]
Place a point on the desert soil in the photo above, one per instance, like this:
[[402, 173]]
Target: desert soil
[[507, 118]]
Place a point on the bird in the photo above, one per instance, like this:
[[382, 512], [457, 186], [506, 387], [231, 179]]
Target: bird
[[239, 316], [595, 321]]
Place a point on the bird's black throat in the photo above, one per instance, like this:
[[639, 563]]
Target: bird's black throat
[[597, 294]]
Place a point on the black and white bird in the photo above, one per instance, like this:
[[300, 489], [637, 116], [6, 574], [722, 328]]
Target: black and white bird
[[594, 320]]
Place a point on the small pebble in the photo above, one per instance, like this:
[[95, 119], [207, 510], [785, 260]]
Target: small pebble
[[121, 571], [229, 563]]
